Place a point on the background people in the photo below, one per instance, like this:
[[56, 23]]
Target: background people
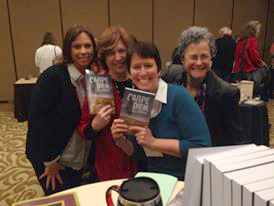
[[111, 162], [56, 149], [176, 123], [223, 60], [216, 98], [247, 58], [47, 53]]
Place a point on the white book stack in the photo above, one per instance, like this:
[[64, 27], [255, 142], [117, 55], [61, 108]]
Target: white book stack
[[262, 198], [229, 176], [249, 189], [234, 182], [194, 174], [213, 179]]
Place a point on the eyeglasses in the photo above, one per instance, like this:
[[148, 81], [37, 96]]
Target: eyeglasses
[[114, 51], [203, 57]]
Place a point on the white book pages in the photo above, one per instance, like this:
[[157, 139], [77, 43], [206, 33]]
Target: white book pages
[[194, 173], [262, 198], [260, 151], [242, 149], [249, 189], [231, 176], [218, 180], [238, 183], [228, 177]]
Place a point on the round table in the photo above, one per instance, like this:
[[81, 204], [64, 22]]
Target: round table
[[94, 194]]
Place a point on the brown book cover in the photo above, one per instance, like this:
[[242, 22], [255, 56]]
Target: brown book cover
[[99, 91], [136, 107], [70, 199]]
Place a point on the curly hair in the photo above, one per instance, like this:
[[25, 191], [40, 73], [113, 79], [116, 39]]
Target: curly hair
[[194, 35], [249, 29]]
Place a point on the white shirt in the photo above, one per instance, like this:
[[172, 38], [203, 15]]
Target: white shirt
[[160, 98], [45, 55]]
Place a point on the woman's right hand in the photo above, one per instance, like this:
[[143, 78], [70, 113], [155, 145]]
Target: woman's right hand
[[118, 130], [52, 172], [102, 118]]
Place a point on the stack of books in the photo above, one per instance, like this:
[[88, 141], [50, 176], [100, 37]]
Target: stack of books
[[240, 175]]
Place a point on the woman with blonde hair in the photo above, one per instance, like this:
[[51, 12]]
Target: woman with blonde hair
[[111, 162], [223, 61]]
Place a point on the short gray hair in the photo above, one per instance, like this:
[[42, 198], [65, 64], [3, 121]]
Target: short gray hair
[[194, 35]]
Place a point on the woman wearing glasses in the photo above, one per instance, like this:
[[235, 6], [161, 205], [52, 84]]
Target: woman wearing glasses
[[216, 98]]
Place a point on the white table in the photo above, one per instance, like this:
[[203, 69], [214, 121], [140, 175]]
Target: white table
[[94, 194]]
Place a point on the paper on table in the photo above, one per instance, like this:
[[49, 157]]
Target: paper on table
[[166, 183], [152, 153]]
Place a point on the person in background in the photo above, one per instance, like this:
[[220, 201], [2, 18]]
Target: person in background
[[48, 53], [56, 149], [247, 57], [176, 123], [216, 98], [111, 162], [271, 65], [223, 61]]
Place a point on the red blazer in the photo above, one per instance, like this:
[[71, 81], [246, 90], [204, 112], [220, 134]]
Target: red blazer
[[252, 58]]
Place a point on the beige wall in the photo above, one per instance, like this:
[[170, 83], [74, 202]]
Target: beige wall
[[7, 70], [158, 21]]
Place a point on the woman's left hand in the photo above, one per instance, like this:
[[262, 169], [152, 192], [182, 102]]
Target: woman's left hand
[[143, 136]]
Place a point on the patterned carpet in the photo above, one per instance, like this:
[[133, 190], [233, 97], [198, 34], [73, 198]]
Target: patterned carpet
[[17, 179]]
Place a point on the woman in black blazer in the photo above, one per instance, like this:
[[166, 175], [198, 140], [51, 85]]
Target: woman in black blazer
[[216, 97], [54, 145]]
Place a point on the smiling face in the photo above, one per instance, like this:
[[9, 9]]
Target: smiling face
[[82, 51], [116, 59], [197, 60], [144, 73]]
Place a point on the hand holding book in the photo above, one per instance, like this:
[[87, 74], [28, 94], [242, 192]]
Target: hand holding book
[[102, 118]]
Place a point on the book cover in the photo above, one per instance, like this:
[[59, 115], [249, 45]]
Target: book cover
[[166, 183], [70, 199], [99, 91], [136, 107]]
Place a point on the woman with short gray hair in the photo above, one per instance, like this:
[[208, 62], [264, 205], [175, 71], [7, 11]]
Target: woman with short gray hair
[[194, 35], [216, 98]]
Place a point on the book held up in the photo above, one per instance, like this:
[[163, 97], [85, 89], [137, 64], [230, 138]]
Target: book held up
[[99, 91], [136, 107]]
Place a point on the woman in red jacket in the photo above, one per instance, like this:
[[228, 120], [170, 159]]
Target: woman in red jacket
[[247, 57]]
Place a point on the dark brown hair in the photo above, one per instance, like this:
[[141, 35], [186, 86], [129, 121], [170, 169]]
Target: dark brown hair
[[144, 50], [48, 38], [71, 34]]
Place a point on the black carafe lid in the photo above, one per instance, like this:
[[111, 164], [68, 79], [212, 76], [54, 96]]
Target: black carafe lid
[[139, 189]]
